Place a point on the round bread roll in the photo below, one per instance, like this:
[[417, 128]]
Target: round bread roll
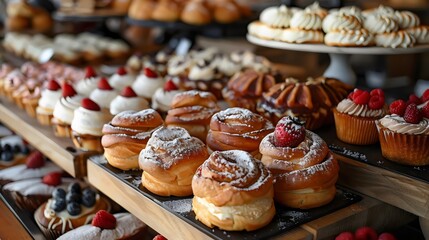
[[226, 11], [141, 9], [166, 11], [196, 13], [17, 23]]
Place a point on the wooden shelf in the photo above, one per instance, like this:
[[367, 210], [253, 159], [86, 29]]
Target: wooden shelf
[[59, 150]]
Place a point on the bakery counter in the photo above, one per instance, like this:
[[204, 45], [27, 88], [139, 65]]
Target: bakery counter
[[173, 217], [364, 169], [59, 150]]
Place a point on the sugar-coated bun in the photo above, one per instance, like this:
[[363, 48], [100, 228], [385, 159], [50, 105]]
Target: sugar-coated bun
[[233, 191]]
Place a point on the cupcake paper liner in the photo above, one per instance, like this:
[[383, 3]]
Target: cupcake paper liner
[[355, 130]]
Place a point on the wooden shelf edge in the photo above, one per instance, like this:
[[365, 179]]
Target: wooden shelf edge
[[398, 190]]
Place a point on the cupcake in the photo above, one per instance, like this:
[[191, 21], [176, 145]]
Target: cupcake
[[35, 166], [30, 100], [127, 100], [163, 97], [49, 97], [87, 124], [147, 83], [68, 209], [13, 151], [121, 79], [4, 71], [64, 111], [355, 116], [109, 227], [104, 94], [404, 134], [29, 194], [88, 84]]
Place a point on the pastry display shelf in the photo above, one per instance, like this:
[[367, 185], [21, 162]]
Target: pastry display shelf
[[339, 66], [173, 221], [97, 15], [59, 150]]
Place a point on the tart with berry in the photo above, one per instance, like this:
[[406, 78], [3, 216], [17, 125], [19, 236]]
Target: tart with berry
[[13, 151], [404, 133], [355, 116], [67, 209], [109, 226]]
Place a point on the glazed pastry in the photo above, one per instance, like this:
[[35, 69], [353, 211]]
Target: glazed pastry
[[169, 161], [127, 100], [355, 116], [29, 194], [276, 16], [237, 129], [64, 111], [35, 166], [69, 209], [226, 11], [233, 191], [147, 83], [126, 135], [350, 38], [104, 94], [196, 13], [304, 168], [109, 227], [88, 84], [420, 33], [163, 97], [399, 39], [121, 79], [193, 110], [311, 101], [245, 88], [49, 97], [87, 125], [166, 11]]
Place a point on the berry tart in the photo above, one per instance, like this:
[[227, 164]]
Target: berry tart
[[46, 104], [121, 79], [355, 116], [68, 209], [87, 124], [104, 94], [88, 84], [404, 133], [13, 151], [29, 194], [128, 101], [147, 83], [106, 226], [305, 170]]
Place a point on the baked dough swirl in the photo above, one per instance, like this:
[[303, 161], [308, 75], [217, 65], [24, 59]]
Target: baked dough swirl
[[233, 191]]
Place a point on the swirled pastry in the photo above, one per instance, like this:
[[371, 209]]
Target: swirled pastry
[[277, 17], [244, 88], [237, 129], [349, 38], [406, 19], [169, 161], [380, 24], [193, 110], [309, 100], [233, 191], [399, 39], [315, 8], [261, 30], [306, 20], [126, 135], [420, 33], [340, 21], [305, 170], [291, 35]]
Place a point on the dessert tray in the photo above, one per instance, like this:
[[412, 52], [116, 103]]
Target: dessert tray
[[181, 207], [97, 15]]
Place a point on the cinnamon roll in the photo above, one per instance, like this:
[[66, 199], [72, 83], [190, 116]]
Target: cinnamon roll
[[126, 135], [169, 161], [304, 168], [237, 129], [233, 191], [193, 110]]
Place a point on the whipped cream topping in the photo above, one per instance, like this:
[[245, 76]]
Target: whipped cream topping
[[35, 186], [103, 97], [203, 70], [178, 65], [420, 33], [380, 10], [119, 82], [306, 20], [90, 122], [253, 210], [161, 100], [120, 104], [340, 21], [227, 66], [49, 98], [85, 86], [406, 19], [302, 36], [64, 108], [347, 106], [316, 8], [145, 86], [278, 17], [359, 37], [380, 24], [126, 225], [399, 39], [397, 124], [118, 46], [21, 171], [349, 10]]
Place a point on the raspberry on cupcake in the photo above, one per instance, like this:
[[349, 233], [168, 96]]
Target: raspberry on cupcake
[[355, 116]]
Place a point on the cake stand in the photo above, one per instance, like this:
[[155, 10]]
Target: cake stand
[[339, 66]]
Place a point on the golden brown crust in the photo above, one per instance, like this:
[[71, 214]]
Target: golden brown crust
[[226, 11], [196, 12], [167, 11], [87, 142], [169, 161]]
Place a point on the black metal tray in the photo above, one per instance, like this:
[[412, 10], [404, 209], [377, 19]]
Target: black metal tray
[[370, 154], [285, 218]]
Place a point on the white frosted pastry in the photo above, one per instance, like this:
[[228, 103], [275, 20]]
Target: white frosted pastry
[[162, 98], [340, 21], [121, 79], [179, 65], [399, 39], [35, 186], [20, 172], [48, 100], [128, 100], [64, 109], [147, 83], [85, 86], [261, 30], [104, 94], [315, 8], [406, 19], [87, 121], [420, 33], [381, 24], [351, 38], [302, 36], [227, 66], [306, 20], [277, 17], [203, 70]]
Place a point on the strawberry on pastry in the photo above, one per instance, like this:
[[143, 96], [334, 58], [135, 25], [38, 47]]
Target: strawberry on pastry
[[104, 94], [147, 83], [128, 100], [289, 132], [398, 107], [163, 97], [49, 97], [121, 79], [88, 84]]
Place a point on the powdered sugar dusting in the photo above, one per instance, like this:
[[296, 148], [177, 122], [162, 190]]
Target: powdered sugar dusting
[[346, 152], [180, 206], [135, 117]]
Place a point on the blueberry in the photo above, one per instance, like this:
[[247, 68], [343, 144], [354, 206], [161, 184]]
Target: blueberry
[[73, 208], [25, 150], [73, 197], [16, 148], [59, 193], [88, 191], [7, 147], [88, 200], [74, 187], [6, 156], [58, 204]]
